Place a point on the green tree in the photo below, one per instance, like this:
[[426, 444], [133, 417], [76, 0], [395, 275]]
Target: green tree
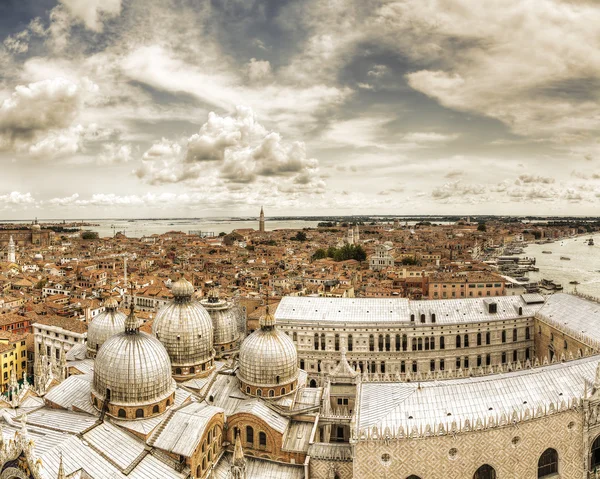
[[89, 235], [300, 236], [481, 227], [222, 233]]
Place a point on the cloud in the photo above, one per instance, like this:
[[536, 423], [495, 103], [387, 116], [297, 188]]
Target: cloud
[[259, 71], [16, 198], [233, 149], [454, 174], [115, 153], [457, 189], [529, 69], [92, 13], [378, 71], [37, 116], [534, 179]]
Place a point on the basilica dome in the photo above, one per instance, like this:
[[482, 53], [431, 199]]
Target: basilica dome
[[108, 323], [268, 364], [225, 322], [132, 373], [185, 328]]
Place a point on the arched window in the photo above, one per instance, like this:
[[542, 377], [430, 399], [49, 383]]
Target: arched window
[[422, 318], [412, 318], [323, 341], [548, 463], [413, 477], [388, 345], [262, 439], [485, 472], [514, 334], [249, 435], [414, 344], [122, 413], [247, 389], [488, 338], [380, 343], [316, 342], [420, 344], [566, 345], [313, 383], [426, 344], [432, 342], [478, 339], [177, 370], [139, 413], [155, 409], [192, 370], [271, 393], [433, 317], [527, 334], [458, 340], [337, 342], [442, 342], [596, 454], [350, 342], [404, 342], [295, 337], [398, 343], [371, 342], [282, 391], [503, 336], [466, 343], [198, 471]]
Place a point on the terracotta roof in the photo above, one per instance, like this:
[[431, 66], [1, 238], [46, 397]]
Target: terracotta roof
[[69, 324]]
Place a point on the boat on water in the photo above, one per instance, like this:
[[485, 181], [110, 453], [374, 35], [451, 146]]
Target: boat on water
[[574, 282], [591, 242], [547, 252], [566, 258]]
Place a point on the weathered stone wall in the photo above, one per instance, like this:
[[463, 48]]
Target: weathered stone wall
[[549, 338], [320, 469], [513, 451]]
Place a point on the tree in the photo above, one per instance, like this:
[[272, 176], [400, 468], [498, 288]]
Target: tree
[[481, 227], [300, 236], [222, 233], [89, 235], [319, 254]]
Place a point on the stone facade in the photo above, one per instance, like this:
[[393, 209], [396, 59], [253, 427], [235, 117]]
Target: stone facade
[[550, 342], [512, 451]]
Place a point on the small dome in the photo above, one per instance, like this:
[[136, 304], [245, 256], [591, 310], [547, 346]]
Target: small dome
[[108, 323], [268, 356], [36, 227], [182, 288], [185, 328], [38, 257], [224, 319], [132, 368]]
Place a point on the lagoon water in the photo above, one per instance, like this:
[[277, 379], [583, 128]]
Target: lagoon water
[[584, 265]]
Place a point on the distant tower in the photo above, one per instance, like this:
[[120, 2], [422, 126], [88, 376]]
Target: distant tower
[[356, 234], [12, 257], [261, 221], [238, 464], [350, 236], [125, 272]]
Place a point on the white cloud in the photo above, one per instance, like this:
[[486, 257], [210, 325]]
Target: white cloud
[[16, 198], [259, 71], [115, 153], [93, 12], [232, 149]]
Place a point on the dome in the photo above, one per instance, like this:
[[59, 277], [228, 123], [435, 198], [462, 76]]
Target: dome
[[224, 320], [36, 227], [268, 358], [185, 328], [132, 369], [38, 257], [108, 323]]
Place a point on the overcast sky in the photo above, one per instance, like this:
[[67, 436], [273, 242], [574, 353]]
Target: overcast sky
[[138, 108]]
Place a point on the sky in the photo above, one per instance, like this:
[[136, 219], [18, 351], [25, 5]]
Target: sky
[[181, 108]]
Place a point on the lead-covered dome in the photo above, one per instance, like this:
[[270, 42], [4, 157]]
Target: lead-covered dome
[[109, 322], [185, 328], [132, 373], [225, 322], [268, 364]]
